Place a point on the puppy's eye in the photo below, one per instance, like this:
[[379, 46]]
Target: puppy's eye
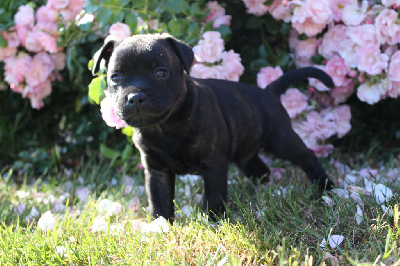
[[116, 78], [161, 73]]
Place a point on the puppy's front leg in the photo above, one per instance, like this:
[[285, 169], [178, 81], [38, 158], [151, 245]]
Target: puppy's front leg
[[215, 187], [160, 188]]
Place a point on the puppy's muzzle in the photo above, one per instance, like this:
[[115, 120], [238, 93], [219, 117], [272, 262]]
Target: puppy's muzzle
[[135, 99]]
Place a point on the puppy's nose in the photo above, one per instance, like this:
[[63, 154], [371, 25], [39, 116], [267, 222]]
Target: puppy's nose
[[136, 98]]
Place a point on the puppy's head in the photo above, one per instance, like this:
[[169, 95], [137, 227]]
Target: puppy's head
[[145, 75]]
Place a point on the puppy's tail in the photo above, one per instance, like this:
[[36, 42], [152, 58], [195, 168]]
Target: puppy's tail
[[280, 85]]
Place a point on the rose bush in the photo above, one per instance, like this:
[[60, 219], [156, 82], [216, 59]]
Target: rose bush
[[254, 41]]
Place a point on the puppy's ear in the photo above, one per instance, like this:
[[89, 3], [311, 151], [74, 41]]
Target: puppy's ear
[[103, 53], [184, 52]]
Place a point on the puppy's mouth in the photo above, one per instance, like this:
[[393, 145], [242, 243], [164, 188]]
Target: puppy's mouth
[[140, 118]]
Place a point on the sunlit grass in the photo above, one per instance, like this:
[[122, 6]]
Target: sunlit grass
[[283, 223]]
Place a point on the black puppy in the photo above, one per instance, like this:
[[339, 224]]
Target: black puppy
[[198, 126]]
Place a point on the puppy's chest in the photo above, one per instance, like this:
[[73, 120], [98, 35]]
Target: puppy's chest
[[180, 153]]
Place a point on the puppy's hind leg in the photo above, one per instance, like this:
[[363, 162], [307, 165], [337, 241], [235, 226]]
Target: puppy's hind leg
[[289, 146], [255, 168]]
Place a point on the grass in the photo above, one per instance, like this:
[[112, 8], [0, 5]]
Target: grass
[[282, 223]]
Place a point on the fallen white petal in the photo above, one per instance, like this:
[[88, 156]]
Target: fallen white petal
[[356, 198], [328, 201], [46, 222], [350, 179], [369, 185], [159, 225], [359, 215], [100, 224], [359, 190], [335, 240], [382, 193], [384, 208], [62, 251], [342, 193]]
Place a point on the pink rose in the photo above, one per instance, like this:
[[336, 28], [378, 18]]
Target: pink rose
[[306, 20], [233, 67], [306, 48], [318, 10], [370, 92], [120, 31], [76, 6], [41, 68], [322, 150], [205, 72], [348, 50], [387, 29], [48, 42], [342, 117], [319, 126], [32, 43], [21, 32], [67, 15], [308, 27], [363, 35], [16, 68], [222, 20], [108, 113], [46, 14], [216, 11], [256, 7], [394, 91], [337, 9], [59, 60], [7, 52], [353, 14], [371, 60], [342, 93], [12, 38], [280, 11], [266, 75], [389, 3], [48, 27], [331, 40], [294, 102], [394, 67], [25, 16], [57, 4], [37, 93], [210, 48], [337, 69]]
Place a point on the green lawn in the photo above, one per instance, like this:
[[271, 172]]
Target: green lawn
[[283, 222]]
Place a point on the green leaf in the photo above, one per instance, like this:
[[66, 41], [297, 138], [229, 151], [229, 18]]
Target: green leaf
[[131, 21], [91, 6], [178, 27], [3, 41], [128, 131], [91, 64], [172, 6], [108, 152], [96, 88], [127, 152], [225, 32], [117, 16], [254, 23], [103, 16]]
